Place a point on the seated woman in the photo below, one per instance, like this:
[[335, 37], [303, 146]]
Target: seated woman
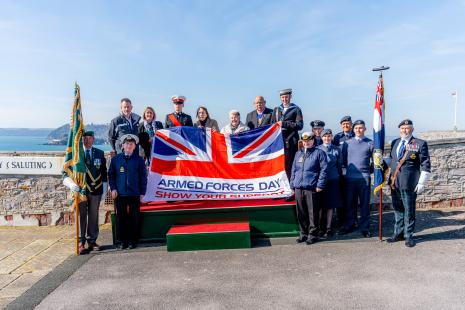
[[204, 120], [147, 128], [235, 126], [308, 179], [332, 193]]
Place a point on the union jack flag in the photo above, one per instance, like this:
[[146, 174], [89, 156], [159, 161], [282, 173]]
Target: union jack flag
[[205, 156], [380, 170]]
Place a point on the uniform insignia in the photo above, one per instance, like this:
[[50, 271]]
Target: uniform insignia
[[413, 156], [121, 169], [97, 163], [301, 159]]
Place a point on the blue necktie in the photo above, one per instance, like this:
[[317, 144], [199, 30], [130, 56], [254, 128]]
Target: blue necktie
[[401, 150]]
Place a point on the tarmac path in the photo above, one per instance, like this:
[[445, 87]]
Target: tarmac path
[[344, 273]]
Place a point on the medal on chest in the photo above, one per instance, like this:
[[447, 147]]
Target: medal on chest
[[121, 169]]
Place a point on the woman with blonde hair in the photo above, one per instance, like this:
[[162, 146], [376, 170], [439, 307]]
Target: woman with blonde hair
[[147, 128]]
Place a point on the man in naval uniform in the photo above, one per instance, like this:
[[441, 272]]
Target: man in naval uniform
[[178, 117], [261, 116], [96, 189], [346, 133], [289, 116], [410, 171]]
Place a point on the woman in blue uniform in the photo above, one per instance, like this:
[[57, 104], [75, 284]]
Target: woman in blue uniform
[[331, 196], [308, 178]]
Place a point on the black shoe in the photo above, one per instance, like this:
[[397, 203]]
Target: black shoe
[[121, 246], [329, 233], [132, 246], [409, 242], [322, 233], [312, 240], [301, 239], [394, 238], [366, 234]]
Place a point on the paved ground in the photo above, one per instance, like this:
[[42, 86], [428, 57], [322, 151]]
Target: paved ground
[[27, 254], [345, 273]]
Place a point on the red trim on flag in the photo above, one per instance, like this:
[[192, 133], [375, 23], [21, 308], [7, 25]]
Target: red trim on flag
[[171, 141], [251, 147]]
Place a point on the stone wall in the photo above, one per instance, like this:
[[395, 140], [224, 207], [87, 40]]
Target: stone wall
[[43, 200], [38, 200]]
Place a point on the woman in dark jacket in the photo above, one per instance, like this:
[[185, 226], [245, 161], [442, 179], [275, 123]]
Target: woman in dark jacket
[[332, 193], [147, 128], [204, 120], [308, 179]]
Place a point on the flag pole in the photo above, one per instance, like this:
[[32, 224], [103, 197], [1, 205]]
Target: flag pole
[[76, 208], [379, 187], [455, 111], [380, 203]]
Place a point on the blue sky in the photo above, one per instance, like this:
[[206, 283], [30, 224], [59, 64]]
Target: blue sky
[[222, 54]]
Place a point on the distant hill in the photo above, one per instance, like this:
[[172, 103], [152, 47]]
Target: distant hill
[[60, 135], [31, 132]]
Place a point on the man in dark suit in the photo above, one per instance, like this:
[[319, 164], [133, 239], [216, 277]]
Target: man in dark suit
[[261, 116], [410, 171], [178, 117], [289, 116], [96, 189]]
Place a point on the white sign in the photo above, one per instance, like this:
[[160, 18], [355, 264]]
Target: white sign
[[31, 165]]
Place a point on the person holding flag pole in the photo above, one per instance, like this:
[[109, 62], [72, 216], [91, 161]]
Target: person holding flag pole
[[380, 169], [74, 168]]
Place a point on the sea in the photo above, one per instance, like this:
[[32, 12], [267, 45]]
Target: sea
[[21, 143], [39, 143]]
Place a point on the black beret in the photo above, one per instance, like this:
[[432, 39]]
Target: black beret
[[359, 122], [405, 122], [317, 124], [346, 118]]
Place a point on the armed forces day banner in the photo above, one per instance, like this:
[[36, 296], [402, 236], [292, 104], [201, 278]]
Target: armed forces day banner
[[190, 163]]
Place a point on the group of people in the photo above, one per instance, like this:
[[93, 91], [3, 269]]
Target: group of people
[[326, 171]]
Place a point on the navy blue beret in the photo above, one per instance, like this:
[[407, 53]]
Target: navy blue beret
[[405, 122], [317, 124], [346, 118]]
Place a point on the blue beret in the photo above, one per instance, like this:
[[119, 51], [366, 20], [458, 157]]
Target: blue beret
[[286, 91], [359, 122], [405, 122], [346, 118], [317, 124], [326, 132]]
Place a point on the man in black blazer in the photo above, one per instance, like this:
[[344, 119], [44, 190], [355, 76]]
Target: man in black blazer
[[96, 190], [261, 116], [410, 171], [290, 117]]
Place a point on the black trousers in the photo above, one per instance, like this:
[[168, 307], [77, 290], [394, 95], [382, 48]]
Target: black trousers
[[127, 218], [307, 212], [88, 219], [289, 155]]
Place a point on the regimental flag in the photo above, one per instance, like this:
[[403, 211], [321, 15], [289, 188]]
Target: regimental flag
[[191, 163], [74, 166], [380, 169]]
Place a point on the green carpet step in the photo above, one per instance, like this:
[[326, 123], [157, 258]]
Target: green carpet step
[[211, 236]]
